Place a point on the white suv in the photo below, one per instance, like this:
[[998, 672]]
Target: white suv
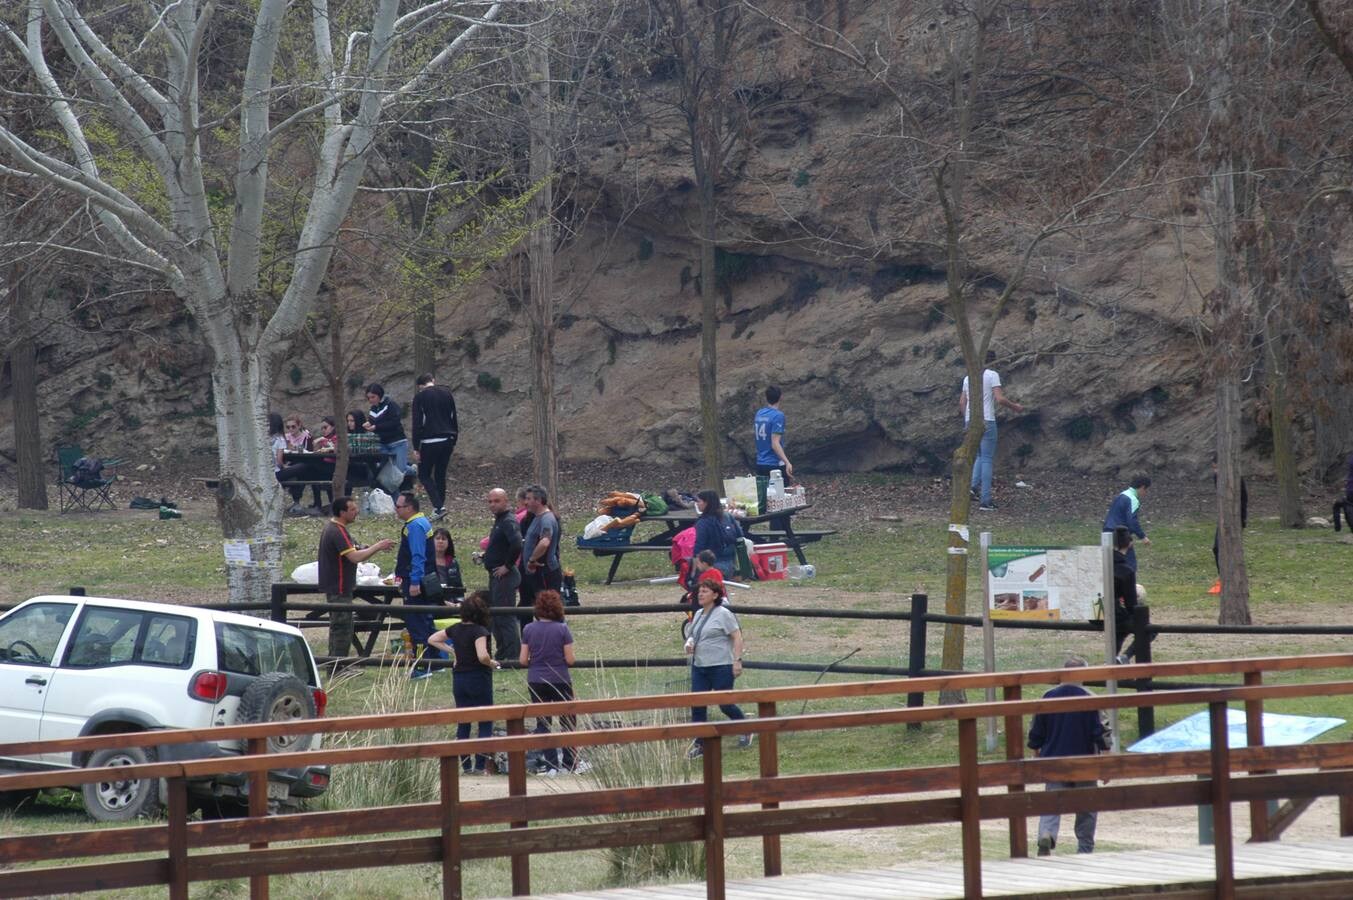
[[77, 666]]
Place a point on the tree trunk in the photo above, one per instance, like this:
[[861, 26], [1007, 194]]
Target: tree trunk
[[540, 315], [1290, 514], [709, 334], [1235, 583], [1232, 204], [959, 542], [425, 336], [23, 365], [249, 501], [337, 402]]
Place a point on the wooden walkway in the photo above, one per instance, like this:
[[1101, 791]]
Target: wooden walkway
[[1268, 867]]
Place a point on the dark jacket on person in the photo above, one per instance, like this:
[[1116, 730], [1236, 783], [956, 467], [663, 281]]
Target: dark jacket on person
[[1124, 589], [505, 541], [384, 417], [433, 415], [1068, 733], [718, 533], [405, 557], [1122, 515]]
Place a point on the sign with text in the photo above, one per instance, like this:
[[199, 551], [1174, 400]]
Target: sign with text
[[1045, 583]]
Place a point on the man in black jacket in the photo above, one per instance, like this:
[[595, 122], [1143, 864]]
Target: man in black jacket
[[434, 437], [1067, 734], [500, 558]]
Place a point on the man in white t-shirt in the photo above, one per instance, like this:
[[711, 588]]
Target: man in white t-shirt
[[992, 396]]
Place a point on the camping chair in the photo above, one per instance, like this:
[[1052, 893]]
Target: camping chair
[[87, 495]]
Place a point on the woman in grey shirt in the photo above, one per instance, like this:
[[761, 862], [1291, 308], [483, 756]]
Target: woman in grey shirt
[[714, 643]]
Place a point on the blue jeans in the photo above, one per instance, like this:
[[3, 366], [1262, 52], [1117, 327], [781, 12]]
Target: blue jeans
[[474, 688], [400, 451], [420, 627], [986, 455], [713, 678]]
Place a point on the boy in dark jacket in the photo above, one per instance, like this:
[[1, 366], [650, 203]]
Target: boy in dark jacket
[[383, 421], [1067, 734], [1123, 514]]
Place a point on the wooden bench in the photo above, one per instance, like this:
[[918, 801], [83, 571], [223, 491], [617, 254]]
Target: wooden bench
[[794, 540], [618, 551]]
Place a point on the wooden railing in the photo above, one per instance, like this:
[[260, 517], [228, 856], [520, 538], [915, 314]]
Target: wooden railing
[[712, 810]]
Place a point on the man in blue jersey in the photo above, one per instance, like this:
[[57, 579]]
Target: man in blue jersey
[[769, 430]]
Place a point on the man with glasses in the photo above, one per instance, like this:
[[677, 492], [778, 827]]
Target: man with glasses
[[415, 559]]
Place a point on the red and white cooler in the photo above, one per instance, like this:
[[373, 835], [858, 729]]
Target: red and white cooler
[[770, 561]]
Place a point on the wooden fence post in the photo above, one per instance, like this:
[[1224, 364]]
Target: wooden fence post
[[970, 808], [1254, 737], [516, 787], [258, 810], [177, 815], [714, 829], [920, 606], [1141, 641], [450, 812], [1014, 749], [1222, 837], [277, 602], [770, 768]]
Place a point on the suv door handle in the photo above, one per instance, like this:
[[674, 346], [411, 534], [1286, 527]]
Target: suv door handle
[[35, 679]]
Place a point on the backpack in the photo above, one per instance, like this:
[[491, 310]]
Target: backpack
[[87, 470], [568, 591]]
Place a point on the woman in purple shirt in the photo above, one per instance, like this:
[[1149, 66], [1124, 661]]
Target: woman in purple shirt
[[547, 652]]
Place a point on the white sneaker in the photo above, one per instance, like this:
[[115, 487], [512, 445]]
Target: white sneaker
[[581, 767]]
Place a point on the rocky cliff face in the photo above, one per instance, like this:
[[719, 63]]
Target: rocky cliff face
[[1099, 344]]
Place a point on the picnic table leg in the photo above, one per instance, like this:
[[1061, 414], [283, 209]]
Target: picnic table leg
[[370, 638], [793, 543], [615, 564]]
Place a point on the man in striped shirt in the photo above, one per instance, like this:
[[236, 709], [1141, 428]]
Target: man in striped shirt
[[338, 558]]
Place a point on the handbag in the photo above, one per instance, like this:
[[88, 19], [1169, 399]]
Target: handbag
[[431, 587]]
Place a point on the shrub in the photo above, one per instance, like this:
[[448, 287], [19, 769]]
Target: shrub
[[801, 179], [648, 764], [489, 382], [393, 782], [645, 249], [295, 374]]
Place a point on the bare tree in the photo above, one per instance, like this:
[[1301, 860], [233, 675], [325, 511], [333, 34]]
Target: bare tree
[[144, 79], [980, 90], [707, 42]]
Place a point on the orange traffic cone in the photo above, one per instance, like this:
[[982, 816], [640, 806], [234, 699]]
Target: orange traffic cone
[[1216, 587]]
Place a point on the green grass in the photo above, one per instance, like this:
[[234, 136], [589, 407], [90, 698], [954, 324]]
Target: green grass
[[1296, 576]]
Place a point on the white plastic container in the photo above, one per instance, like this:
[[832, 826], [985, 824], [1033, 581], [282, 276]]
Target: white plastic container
[[800, 573]]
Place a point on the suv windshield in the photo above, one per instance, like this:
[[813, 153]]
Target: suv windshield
[[258, 651]]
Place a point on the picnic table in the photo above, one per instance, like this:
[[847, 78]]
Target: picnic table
[[373, 622], [678, 519], [362, 467]]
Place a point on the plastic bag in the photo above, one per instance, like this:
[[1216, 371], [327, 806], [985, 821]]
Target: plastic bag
[[368, 574], [390, 477], [596, 527], [378, 503], [742, 492], [307, 573]]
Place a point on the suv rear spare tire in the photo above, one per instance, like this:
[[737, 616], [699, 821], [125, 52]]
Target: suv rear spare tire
[[121, 800], [278, 697]]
